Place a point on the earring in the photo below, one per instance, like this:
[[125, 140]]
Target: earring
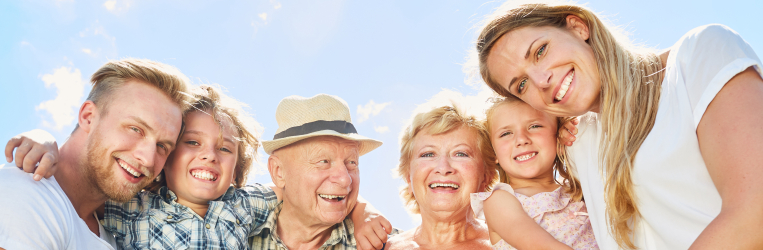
[[158, 178]]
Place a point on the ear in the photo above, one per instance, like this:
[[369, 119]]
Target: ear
[[275, 167], [88, 114], [578, 27]]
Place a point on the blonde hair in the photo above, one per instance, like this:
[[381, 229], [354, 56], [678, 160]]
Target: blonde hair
[[438, 121], [630, 90], [562, 164], [107, 80], [210, 100]]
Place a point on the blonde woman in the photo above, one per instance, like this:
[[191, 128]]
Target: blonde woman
[[669, 157]]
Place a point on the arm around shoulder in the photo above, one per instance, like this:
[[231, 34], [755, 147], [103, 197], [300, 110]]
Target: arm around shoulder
[[506, 217]]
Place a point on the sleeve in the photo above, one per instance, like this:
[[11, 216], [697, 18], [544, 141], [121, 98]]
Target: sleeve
[[708, 57], [33, 215], [117, 216], [477, 199], [259, 202]]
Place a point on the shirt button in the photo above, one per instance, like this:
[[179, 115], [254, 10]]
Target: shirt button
[[207, 226], [238, 222], [169, 216]]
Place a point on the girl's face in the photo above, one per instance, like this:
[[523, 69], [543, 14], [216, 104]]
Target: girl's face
[[201, 168], [445, 169], [552, 69], [524, 140]]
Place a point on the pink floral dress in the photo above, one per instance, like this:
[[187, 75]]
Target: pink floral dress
[[567, 221]]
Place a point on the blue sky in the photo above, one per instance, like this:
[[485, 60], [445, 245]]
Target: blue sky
[[385, 58]]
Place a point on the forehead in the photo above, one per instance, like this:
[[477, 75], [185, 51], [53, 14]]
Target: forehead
[[202, 122], [325, 145], [518, 112], [137, 99], [462, 135]]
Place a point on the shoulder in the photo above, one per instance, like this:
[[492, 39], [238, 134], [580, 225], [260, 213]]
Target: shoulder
[[712, 40], [34, 213]]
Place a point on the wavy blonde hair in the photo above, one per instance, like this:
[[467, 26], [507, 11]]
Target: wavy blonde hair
[[438, 121], [562, 165], [630, 89], [211, 101]]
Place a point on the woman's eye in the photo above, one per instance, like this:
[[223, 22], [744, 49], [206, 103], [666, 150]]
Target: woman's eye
[[193, 143], [226, 150], [541, 50], [521, 86], [427, 155], [535, 126], [462, 154], [505, 134]]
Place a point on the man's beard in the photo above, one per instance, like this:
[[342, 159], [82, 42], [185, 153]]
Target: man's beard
[[98, 170]]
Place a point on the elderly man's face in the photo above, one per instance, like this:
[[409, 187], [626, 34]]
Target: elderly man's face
[[321, 178]]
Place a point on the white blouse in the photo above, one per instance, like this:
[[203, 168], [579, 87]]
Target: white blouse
[[674, 192]]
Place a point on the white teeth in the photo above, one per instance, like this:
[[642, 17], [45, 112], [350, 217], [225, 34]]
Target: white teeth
[[328, 196], [129, 170], [450, 185], [525, 157], [204, 175], [565, 86]]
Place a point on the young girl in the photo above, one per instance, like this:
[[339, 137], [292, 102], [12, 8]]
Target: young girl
[[525, 144], [199, 200]]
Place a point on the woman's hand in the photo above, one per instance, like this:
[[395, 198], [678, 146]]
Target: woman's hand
[[371, 228], [568, 130], [33, 147]]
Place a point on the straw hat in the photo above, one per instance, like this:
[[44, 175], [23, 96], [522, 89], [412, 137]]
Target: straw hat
[[300, 118]]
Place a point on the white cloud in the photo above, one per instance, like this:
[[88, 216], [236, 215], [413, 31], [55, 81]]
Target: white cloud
[[110, 5], [87, 51], [69, 88], [370, 109], [381, 129], [471, 104], [117, 7], [277, 5], [263, 16]]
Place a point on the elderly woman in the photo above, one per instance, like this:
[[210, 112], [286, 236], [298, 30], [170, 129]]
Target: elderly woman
[[444, 157]]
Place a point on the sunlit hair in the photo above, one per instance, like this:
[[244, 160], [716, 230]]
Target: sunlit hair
[[438, 121], [562, 167], [630, 91], [211, 101], [111, 76]]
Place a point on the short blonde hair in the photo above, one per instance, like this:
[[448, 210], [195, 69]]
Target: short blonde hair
[[210, 100], [437, 121], [562, 165], [113, 74]]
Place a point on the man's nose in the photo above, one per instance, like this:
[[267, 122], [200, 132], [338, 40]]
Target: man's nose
[[145, 153], [341, 175]]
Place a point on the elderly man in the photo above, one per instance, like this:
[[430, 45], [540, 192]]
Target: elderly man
[[314, 158], [125, 131]]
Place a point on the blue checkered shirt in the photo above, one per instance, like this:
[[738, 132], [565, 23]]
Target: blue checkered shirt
[[156, 221], [342, 235]]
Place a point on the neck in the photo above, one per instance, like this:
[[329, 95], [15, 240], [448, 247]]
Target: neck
[[532, 186], [446, 228], [200, 209], [84, 195], [297, 231]]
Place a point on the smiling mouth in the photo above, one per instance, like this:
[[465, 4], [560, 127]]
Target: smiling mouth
[[204, 175], [329, 197], [525, 157], [128, 169], [449, 186], [565, 86]]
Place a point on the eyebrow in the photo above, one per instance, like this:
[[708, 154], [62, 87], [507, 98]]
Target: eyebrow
[[227, 139], [143, 123], [527, 55]]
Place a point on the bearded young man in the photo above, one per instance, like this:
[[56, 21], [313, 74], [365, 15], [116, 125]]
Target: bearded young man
[[128, 125]]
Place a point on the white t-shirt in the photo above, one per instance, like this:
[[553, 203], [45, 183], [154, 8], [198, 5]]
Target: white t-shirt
[[39, 215], [674, 192]]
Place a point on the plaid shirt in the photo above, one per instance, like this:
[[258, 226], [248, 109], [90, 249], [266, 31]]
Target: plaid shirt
[[156, 221], [342, 236]]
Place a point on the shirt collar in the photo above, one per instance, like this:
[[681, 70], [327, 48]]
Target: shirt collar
[[341, 232]]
